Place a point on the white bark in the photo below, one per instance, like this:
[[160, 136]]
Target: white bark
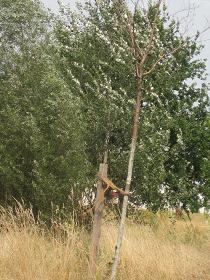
[[129, 175]]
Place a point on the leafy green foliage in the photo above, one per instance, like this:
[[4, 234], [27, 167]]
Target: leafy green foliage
[[97, 56], [42, 148], [68, 89]]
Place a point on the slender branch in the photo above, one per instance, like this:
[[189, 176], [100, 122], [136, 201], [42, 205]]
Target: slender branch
[[174, 50], [162, 57], [135, 47], [152, 27], [138, 52], [189, 9]]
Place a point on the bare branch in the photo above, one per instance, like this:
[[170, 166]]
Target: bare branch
[[162, 56], [200, 33], [152, 27], [189, 9], [173, 51], [131, 29]]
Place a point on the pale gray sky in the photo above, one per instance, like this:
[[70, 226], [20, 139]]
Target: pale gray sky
[[197, 19]]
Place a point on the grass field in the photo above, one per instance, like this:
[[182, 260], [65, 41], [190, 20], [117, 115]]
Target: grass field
[[165, 250]]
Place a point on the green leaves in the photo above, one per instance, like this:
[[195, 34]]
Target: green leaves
[[98, 55], [42, 145], [68, 88]]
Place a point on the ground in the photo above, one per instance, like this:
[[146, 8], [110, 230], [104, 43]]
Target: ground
[[157, 247]]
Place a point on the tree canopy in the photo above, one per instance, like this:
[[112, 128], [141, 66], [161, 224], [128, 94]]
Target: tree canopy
[[68, 87]]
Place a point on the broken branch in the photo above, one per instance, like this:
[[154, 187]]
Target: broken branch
[[111, 185]]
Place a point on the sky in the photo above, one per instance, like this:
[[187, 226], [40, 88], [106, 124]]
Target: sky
[[193, 14]]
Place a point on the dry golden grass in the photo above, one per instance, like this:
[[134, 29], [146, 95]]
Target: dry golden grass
[[30, 252]]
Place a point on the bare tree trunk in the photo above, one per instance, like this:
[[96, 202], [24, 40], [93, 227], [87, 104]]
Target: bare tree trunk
[[98, 211], [98, 215], [129, 174]]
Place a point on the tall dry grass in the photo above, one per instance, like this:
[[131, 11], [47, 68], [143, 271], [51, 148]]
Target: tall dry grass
[[31, 251]]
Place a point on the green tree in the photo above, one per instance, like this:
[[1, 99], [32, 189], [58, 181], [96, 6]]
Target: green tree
[[97, 61], [97, 57], [42, 146], [108, 51]]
